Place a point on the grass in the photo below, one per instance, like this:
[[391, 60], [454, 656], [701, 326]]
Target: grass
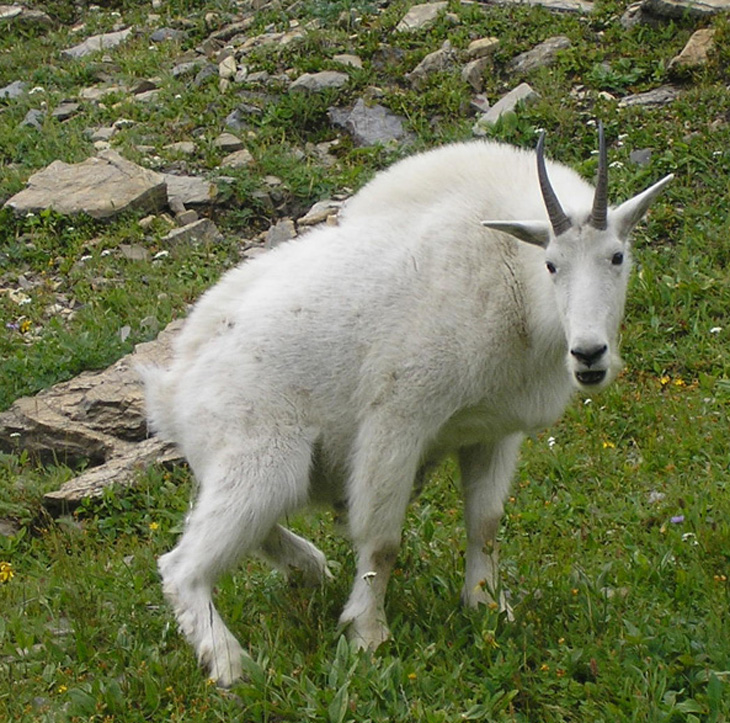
[[616, 542]]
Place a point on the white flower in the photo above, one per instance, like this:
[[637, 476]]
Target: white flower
[[551, 442], [715, 330]]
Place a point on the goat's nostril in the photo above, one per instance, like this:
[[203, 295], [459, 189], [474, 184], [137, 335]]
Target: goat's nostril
[[589, 355]]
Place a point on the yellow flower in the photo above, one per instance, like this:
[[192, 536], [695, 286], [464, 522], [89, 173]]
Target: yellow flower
[[153, 526], [6, 572], [664, 381], [25, 325], [609, 445], [679, 383], [412, 676], [62, 688]]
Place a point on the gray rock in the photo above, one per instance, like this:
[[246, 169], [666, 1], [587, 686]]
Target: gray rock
[[697, 50], [228, 142], [237, 119], [473, 72], [640, 157], [65, 110], [540, 56], [321, 211], [190, 190], [33, 118], [187, 148], [14, 90], [207, 72], [351, 61], [19, 15], [8, 528], [442, 59], [281, 231], [562, 6], [238, 159], [162, 34], [369, 125], [105, 41], [421, 17], [657, 97], [686, 8], [203, 231], [523, 93], [482, 47], [89, 418], [102, 187], [134, 252], [186, 67], [314, 82]]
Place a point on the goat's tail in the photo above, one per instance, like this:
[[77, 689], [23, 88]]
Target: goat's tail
[[159, 390]]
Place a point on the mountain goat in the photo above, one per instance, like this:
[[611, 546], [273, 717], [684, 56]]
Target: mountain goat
[[447, 313]]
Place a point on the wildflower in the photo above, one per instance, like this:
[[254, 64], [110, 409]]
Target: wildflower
[[720, 578], [24, 326], [6, 572], [574, 591], [412, 676], [677, 519], [664, 380], [679, 382], [551, 442], [62, 688], [715, 330], [609, 445], [154, 526], [544, 668]]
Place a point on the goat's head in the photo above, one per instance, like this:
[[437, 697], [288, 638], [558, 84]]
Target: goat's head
[[588, 260]]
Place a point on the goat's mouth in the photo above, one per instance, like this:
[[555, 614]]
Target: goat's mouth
[[591, 377]]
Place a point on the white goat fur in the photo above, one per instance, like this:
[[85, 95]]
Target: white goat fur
[[339, 367]]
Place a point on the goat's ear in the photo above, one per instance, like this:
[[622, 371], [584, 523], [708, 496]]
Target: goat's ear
[[630, 212], [533, 232]]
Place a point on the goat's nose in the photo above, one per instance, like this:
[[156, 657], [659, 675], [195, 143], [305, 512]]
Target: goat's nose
[[589, 355]]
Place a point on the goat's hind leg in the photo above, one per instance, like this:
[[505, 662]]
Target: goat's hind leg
[[235, 512], [297, 558]]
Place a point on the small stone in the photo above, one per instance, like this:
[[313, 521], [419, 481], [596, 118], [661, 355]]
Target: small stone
[[103, 133], [663, 95], [640, 157], [284, 230], [313, 82], [482, 47], [65, 110], [144, 85], [190, 190], [149, 96], [162, 34], [228, 142], [33, 118], [185, 147], [96, 43], [697, 50], [421, 17], [227, 67], [14, 90], [238, 159], [321, 211], [186, 217], [442, 59], [473, 72], [540, 56], [202, 231], [369, 124], [351, 61], [134, 252], [523, 93]]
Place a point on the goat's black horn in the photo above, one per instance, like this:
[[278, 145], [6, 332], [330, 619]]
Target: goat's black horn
[[599, 213], [558, 220]]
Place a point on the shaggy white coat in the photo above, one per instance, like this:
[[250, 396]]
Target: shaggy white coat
[[339, 367]]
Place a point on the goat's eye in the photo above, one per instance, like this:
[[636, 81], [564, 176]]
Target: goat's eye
[[617, 259], [551, 267]]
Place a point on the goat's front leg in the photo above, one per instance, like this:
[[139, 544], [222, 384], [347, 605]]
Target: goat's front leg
[[379, 490], [486, 474]]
